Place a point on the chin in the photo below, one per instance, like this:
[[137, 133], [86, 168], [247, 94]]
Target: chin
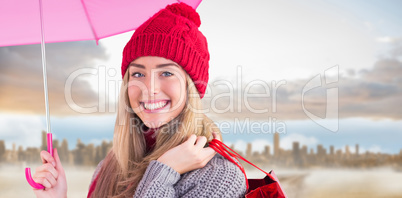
[[154, 123]]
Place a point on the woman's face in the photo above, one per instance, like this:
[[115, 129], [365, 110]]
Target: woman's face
[[156, 89]]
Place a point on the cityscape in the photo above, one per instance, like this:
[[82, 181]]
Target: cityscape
[[303, 157], [300, 156], [81, 155]]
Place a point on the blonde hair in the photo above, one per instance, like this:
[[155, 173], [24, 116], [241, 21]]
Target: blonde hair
[[125, 165]]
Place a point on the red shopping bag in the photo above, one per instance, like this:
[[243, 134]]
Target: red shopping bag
[[268, 187]]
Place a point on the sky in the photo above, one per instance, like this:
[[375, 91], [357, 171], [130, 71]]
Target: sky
[[352, 49]]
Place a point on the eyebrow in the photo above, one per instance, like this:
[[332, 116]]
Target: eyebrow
[[157, 66]]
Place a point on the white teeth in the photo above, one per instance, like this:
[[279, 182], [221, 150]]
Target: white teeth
[[152, 106]]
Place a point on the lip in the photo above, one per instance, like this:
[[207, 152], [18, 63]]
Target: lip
[[154, 101], [154, 110]]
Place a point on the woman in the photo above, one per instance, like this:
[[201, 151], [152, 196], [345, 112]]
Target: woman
[[159, 144]]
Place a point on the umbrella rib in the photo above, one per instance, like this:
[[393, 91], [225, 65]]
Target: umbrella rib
[[90, 22]]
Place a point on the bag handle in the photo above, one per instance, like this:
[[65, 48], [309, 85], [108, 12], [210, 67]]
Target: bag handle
[[222, 149]]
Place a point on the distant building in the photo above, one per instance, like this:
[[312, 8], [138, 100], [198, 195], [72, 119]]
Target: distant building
[[357, 149], [249, 150], [267, 151], [63, 152], [347, 151], [2, 150], [304, 151], [321, 151], [276, 144], [296, 154], [44, 141]]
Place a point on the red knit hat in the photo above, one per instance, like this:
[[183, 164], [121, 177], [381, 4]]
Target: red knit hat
[[172, 33]]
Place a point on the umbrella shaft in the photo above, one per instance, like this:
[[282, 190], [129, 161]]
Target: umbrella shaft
[[42, 46]]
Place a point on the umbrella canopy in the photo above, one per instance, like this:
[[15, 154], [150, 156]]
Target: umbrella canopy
[[74, 20], [25, 22]]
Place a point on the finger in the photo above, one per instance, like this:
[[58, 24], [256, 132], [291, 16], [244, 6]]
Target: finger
[[43, 181], [207, 153], [47, 168], [216, 136], [59, 167], [48, 176], [191, 140], [201, 141], [46, 157], [205, 162]]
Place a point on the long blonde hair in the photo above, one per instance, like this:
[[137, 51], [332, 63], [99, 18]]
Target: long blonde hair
[[125, 164]]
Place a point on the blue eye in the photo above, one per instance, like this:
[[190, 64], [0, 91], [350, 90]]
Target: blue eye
[[167, 74], [137, 75]]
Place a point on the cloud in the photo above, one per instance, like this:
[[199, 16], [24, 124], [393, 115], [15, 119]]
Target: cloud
[[21, 78], [373, 149], [387, 71], [239, 145], [24, 130], [371, 93], [259, 145], [385, 39], [368, 25], [388, 39]]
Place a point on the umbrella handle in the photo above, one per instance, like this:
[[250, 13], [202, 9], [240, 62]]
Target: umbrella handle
[[28, 170]]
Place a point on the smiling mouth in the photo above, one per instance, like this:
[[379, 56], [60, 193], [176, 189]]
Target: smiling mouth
[[155, 105]]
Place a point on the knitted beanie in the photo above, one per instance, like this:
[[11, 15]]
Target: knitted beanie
[[172, 33]]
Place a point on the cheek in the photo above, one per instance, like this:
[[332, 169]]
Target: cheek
[[175, 90], [134, 94]]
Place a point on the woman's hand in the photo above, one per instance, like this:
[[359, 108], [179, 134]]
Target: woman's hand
[[51, 175], [189, 155]]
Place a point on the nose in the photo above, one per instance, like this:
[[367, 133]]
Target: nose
[[153, 84]]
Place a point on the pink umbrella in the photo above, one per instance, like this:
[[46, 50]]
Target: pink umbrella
[[23, 22], [74, 20]]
